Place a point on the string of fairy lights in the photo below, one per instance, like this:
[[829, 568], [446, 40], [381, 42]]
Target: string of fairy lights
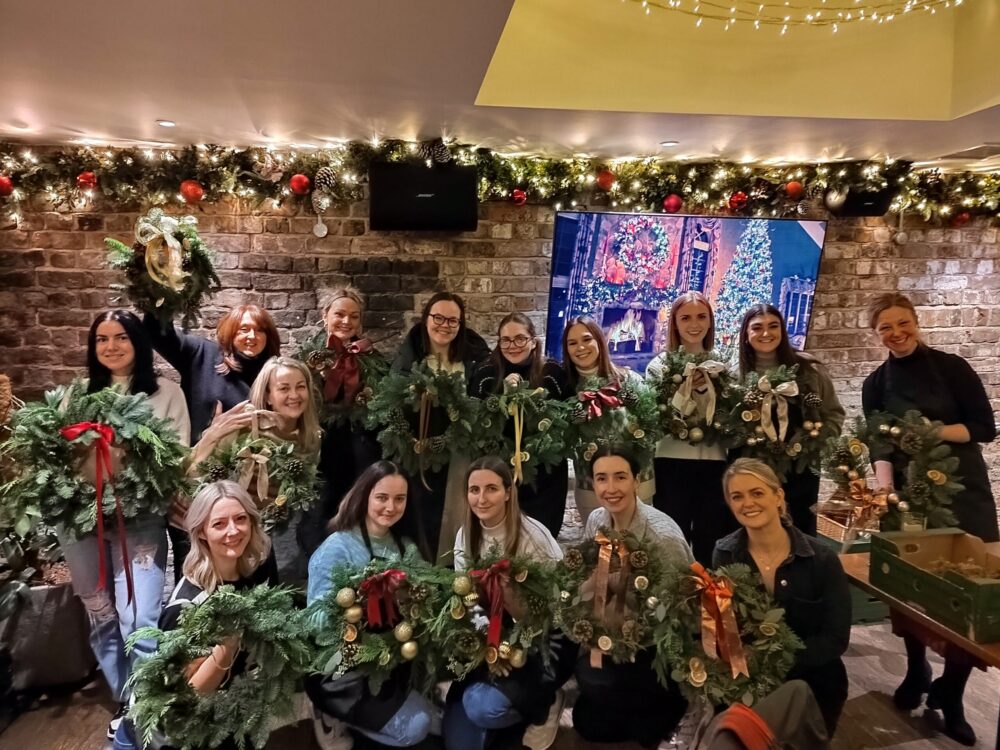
[[88, 178]]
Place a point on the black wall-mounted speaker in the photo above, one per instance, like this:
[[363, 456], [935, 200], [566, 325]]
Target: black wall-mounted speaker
[[415, 197], [860, 202]]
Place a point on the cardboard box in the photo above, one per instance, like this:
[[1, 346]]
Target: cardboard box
[[970, 606]]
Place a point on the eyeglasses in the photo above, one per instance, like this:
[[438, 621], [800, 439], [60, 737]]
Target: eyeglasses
[[441, 320], [517, 341]]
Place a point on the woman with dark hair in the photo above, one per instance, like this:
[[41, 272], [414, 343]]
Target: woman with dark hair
[[625, 702], [119, 355], [943, 387], [366, 528], [528, 699], [764, 345], [442, 341], [518, 358], [215, 376]]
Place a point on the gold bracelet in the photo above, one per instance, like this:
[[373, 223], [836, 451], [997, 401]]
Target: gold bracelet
[[219, 666]]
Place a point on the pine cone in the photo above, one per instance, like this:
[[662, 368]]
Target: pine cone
[[812, 400], [294, 467], [918, 492], [349, 651], [186, 263], [435, 150], [537, 605], [325, 179], [583, 630], [628, 397], [911, 443], [753, 398], [217, 472], [579, 414], [438, 444], [493, 403], [419, 593]]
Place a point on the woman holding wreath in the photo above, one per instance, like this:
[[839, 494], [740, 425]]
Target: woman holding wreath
[[228, 547], [804, 577], [443, 342], [763, 346], [367, 527], [119, 355], [482, 704], [518, 358], [623, 702], [943, 388]]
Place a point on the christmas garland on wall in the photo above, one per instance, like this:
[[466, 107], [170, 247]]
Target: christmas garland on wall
[[70, 178]]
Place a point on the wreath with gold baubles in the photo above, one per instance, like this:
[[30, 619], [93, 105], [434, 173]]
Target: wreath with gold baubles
[[622, 411], [358, 358], [168, 270], [605, 600], [725, 641]]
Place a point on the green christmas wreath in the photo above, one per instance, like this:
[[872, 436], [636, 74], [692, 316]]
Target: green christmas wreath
[[404, 409], [639, 571], [372, 365], [767, 643], [619, 412], [168, 269], [47, 487], [672, 387], [291, 481], [540, 422], [273, 636]]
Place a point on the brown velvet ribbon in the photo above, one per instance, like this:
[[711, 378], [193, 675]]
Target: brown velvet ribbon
[[607, 549], [720, 634], [601, 399], [345, 372], [378, 591], [492, 581]]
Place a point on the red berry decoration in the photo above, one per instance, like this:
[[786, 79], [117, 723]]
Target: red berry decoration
[[300, 184], [794, 190], [6, 185], [518, 197], [961, 219], [606, 179], [673, 203], [738, 201], [192, 191], [86, 180]]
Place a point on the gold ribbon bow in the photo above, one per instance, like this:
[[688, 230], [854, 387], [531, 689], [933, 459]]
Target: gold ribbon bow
[[684, 400], [720, 634], [776, 396], [250, 461], [607, 549], [867, 505], [164, 252], [517, 412]]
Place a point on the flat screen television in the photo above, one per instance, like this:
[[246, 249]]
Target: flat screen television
[[626, 269]]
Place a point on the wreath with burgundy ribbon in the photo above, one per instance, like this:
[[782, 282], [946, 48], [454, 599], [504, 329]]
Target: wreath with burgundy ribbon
[[348, 376], [622, 411]]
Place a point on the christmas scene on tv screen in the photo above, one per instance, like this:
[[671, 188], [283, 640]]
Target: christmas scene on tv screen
[[625, 270]]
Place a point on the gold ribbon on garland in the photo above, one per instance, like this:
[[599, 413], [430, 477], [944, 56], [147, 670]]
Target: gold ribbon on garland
[[607, 549], [251, 461], [684, 400], [720, 634], [164, 252], [517, 412]]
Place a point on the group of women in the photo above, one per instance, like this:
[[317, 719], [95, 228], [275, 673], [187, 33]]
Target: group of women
[[707, 505]]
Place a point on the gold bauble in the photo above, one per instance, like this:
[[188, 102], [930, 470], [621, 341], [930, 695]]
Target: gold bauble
[[893, 498], [814, 433], [462, 585], [818, 425], [843, 468], [518, 658], [807, 425], [696, 435], [652, 602], [346, 597], [403, 632], [852, 474], [354, 614], [409, 650], [504, 650], [896, 431], [883, 428]]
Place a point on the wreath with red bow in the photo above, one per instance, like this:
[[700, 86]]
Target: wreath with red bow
[[622, 411], [348, 375]]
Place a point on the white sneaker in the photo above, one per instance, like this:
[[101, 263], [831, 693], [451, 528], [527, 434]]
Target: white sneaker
[[331, 733], [541, 736]]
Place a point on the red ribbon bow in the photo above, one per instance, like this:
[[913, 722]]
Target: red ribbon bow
[[492, 581], [102, 449], [345, 373], [720, 635], [597, 401], [378, 591]]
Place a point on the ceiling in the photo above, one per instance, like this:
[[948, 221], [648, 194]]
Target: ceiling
[[557, 77]]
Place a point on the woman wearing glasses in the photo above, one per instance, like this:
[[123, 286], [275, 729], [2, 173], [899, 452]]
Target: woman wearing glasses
[[518, 358], [442, 341]]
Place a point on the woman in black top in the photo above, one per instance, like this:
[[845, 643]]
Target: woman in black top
[[802, 575], [516, 358], [944, 388]]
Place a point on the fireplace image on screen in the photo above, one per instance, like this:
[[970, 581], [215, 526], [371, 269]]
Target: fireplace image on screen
[[625, 270]]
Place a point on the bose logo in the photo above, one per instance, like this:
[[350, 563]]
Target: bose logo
[[426, 195]]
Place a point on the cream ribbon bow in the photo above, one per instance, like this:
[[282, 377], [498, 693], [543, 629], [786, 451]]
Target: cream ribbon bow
[[164, 253], [777, 396], [250, 460], [684, 399]]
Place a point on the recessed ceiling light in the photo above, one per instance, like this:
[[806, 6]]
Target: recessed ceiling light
[[668, 144], [166, 123]]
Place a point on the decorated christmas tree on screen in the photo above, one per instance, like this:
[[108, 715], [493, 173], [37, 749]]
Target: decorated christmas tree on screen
[[747, 281]]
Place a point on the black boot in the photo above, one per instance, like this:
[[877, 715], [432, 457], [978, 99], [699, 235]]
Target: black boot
[[911, 690], [946, 695]]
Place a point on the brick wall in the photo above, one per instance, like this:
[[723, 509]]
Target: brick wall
[[52, 282]]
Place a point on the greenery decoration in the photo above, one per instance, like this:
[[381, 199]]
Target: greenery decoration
[[769, 645], [274, 639], [620, 411], [373, 366], [47, 487], [541, 422], [168, 270], [409, 409], [292, 480]]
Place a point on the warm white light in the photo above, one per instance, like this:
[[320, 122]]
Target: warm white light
[[166, 123]]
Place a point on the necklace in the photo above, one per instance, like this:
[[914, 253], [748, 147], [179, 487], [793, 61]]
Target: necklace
[[765, 563]]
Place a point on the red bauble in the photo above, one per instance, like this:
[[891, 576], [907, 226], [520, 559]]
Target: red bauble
[[192, 191], [518, 197], [738, 201], [606, 179], [794, 190], [961, 219], [673, 203], [86, 180], [6, 185], [299, 184]]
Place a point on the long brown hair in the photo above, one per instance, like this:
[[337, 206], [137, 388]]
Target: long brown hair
[[229, 325], [512, 521], [785, 354], [696, 298], [457, 347], [500, 361], [605, 367]]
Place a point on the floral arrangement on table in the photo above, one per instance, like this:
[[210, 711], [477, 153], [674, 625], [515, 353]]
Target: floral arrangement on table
[[725, 641], [618, 412], [540, 429], [347, 376], [676, 388], [168, 270], [274, 645], [49, 441]]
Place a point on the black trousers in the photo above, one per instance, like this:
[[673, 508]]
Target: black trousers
[[429, 503], [690, 492], [545, 498], [801, 493], [829, 685]]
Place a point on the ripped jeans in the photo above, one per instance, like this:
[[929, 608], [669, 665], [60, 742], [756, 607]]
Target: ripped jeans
[[111, 616]]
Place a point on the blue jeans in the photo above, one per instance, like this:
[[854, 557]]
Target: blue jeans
[[111, 617], [408, 726], [468, 722]]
